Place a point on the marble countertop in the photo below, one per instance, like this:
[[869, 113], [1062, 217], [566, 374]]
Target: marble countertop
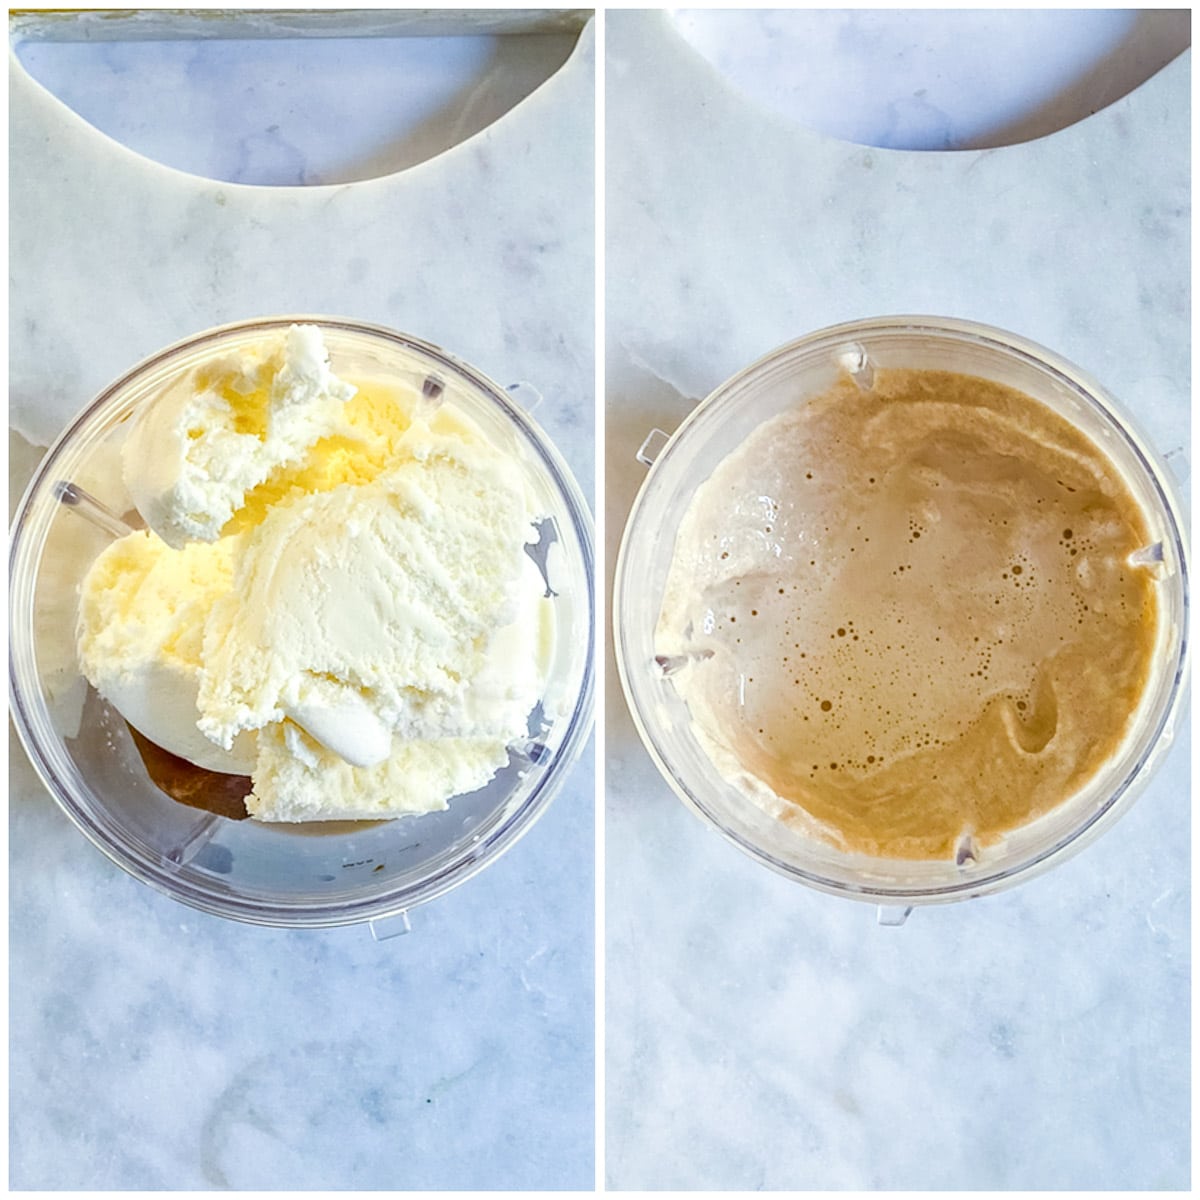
[[760, 1035], [154, 1047]]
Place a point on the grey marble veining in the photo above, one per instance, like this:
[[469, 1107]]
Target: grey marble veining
[[760, 1035], [154, 1047]]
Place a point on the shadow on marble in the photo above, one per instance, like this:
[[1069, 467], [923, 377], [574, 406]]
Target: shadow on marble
[[296, 111], [1152, 41], [511, 74], [929, 80]]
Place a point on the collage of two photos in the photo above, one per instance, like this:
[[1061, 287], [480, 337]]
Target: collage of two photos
[[598, 599]]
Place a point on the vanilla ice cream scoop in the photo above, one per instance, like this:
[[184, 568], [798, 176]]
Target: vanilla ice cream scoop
[[375, 608], [139, 635], [221, 429], [335, 594], [297, 779]]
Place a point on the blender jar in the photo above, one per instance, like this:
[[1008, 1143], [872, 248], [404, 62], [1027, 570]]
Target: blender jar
[[304, 875], [780, 381]]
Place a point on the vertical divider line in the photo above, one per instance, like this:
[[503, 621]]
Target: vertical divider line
[[601, 588]]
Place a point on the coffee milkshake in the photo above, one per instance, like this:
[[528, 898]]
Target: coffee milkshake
[[911, 618]]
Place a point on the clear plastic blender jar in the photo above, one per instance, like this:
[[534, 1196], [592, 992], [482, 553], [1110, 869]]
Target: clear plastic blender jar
[[779, 381], [305, 875]]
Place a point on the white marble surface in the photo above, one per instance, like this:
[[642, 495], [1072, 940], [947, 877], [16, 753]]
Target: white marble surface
[[761, 1035], [152, 1047]]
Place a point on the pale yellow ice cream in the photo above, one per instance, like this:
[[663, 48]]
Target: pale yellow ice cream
[[224, 427], [364, 634], [142, 613], [372, 608], [297, 779]]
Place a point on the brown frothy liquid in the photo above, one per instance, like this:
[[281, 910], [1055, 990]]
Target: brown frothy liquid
[[910, 612]]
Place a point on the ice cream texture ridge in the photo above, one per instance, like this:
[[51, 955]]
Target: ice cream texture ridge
[[333, 594], [911, 619]]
